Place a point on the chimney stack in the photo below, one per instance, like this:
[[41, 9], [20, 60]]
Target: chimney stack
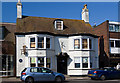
[[19, 9], [85, 14]]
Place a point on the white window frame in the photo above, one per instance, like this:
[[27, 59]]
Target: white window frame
[[30, 42], [56, 24], [79, 62], [88, 62], [87, 44], [79, 40]]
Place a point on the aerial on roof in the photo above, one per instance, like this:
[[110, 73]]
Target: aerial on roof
[[29, 24]]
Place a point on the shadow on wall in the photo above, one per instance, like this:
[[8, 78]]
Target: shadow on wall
[[103, 58]]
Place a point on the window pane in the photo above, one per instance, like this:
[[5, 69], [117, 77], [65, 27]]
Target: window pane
[[85, 62], [111, 28], [40, 61], [4, 62], [76, 44], [117, 43], [32, 61], [90, 44], [44, 70], [2, 32], [59, 25], [112, 43], [32, 42], [40, 42], [34, 70], [84, 44], [77, 62], [77, 65], [117, 28], [48, 63], [47, 42]]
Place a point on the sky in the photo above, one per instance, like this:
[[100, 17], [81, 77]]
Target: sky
[[98, 11]]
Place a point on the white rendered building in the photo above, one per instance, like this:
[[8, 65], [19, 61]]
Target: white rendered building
[[64, 45]]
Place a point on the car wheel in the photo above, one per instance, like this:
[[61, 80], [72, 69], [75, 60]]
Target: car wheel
[[58, 79], [103, 77], [29, 80]]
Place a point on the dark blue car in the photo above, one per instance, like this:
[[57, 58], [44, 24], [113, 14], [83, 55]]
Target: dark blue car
[[33, 74], [105, 73]]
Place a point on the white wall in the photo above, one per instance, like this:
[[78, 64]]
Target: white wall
[[68, 47], [20, 41]]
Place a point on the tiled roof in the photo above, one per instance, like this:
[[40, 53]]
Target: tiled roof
[[31, 24]]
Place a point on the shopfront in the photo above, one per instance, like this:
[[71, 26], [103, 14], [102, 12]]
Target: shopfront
[[6, 65]]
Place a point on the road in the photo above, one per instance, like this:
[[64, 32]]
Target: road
[[78, 81]]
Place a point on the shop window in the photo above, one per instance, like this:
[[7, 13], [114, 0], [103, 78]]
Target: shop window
[[76, 44], [47, 42], [85, 62], [112, 43], [48, 65], [40, 42], [84, 44], [32, 42], [4, 59], [32, 61], [40, 61], [77, 62]]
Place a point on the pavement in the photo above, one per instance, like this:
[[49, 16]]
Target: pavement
[[14, 79]]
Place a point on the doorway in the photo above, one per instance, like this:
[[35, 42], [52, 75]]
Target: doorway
[[62, 63]]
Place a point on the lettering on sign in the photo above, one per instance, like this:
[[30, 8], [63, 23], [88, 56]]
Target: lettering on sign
[[40, 53], [84, 53]]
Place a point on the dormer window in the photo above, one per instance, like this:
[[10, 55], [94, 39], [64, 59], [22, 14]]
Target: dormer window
[[59, 25]]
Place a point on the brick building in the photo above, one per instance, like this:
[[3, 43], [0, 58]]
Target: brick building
[[109, 43]]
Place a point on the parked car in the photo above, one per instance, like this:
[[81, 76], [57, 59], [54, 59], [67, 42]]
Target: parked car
[[33, 74], [105, 73]]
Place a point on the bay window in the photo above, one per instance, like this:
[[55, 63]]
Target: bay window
[[76, 44], [40, 42], [84, 44], [32, 42]]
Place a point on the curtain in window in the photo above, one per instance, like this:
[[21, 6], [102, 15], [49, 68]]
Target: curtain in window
[[76, 44], [84, 44]]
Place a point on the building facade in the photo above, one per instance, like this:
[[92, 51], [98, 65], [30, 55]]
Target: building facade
[[109, 43], [7, 49], [67, 46]]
